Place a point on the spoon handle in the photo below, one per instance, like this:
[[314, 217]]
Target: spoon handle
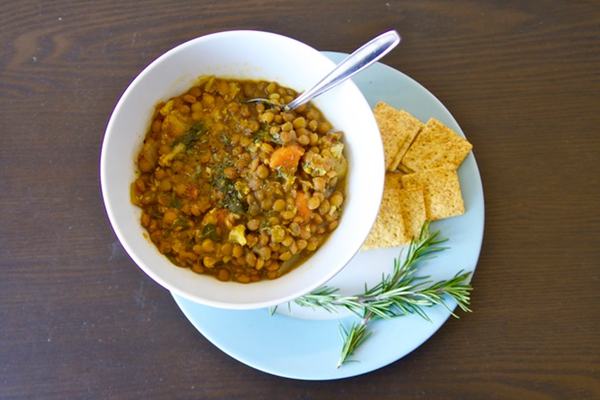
[[362, 58]]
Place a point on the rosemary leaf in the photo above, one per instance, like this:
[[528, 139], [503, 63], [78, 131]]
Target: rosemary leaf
[[352, 339]]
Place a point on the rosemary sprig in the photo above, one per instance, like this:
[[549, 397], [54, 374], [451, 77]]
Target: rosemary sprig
[[397, 294]]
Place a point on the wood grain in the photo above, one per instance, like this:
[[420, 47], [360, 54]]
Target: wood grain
[[78, 319]]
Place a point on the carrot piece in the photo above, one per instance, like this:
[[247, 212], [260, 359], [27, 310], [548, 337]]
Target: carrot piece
[[286, 157], [302, 205]]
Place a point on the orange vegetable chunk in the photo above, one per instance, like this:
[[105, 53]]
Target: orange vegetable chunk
[[286, 157]]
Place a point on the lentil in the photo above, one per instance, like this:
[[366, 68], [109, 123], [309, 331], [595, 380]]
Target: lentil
[[238, 190]]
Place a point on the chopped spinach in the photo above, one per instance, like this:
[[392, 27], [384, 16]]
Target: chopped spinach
[[259, 135], [232, 201], [235, 205], [176, 201], [209, 231], [263, 135], [178, 223], [192, 135]]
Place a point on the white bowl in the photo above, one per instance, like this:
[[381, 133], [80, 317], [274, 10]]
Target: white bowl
[[242, 55]]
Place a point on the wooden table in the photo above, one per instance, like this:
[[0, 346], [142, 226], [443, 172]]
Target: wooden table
[[78, 319]]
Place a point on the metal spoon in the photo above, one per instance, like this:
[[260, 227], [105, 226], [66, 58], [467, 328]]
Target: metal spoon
[[362, 58]]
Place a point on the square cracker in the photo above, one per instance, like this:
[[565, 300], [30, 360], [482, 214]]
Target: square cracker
[[435, 146], [393, 181], [389, 229], [412, 204], [409, 127], [441, 191], [398, 129]]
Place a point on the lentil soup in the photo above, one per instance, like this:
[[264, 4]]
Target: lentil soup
[[240, 191]]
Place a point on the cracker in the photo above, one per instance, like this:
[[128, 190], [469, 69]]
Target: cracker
[[409, 127], [435, 146], [441, 191], [412, 204], [398, 129], [393, 181], [405, 169], [389, 229]]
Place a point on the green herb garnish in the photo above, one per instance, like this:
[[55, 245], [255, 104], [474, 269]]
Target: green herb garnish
[[178, 223], [232, 199], [399, 293], [176, 201], [193, 134], [210, 231], [263, 135]]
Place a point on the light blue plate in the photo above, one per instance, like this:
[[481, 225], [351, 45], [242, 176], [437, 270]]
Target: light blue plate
[[307, 344]]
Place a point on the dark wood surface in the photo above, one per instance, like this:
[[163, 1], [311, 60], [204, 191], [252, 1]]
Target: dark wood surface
[[78, 319]]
